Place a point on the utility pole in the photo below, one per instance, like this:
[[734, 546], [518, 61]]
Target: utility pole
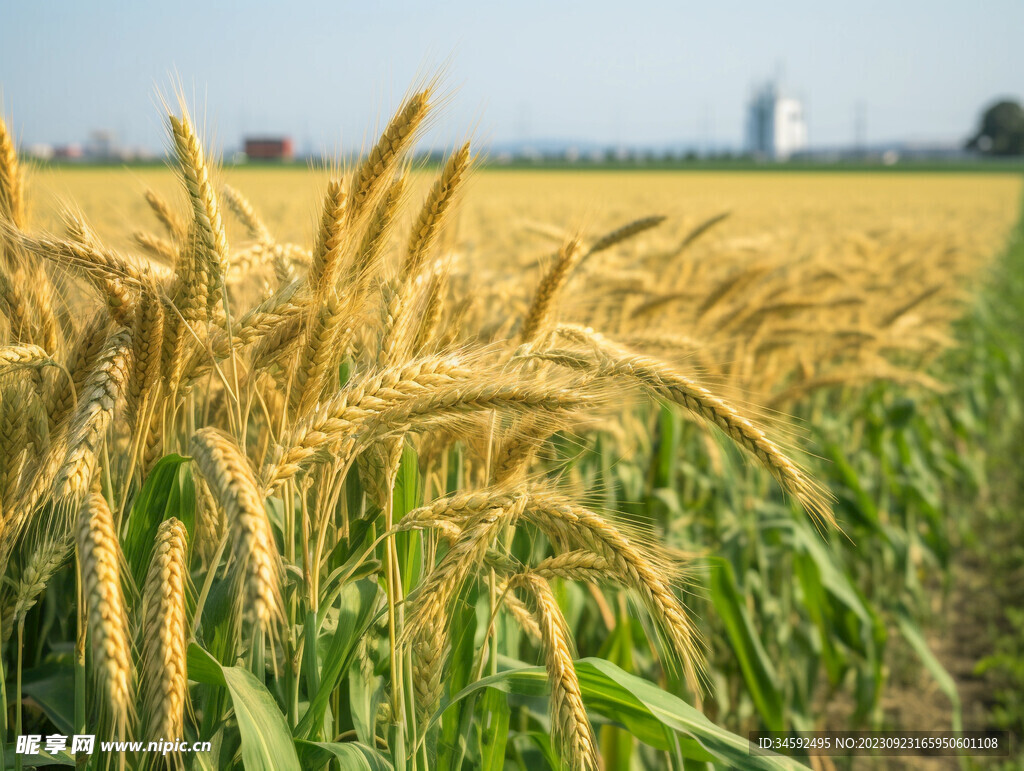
[[860, 129]]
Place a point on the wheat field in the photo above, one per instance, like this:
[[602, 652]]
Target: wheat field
[[405, 468]]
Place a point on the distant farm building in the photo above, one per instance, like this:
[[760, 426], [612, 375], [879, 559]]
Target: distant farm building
[[776, 127], [72, 152], [269, 148]]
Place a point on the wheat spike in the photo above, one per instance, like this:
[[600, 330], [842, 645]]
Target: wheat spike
[[666, 383], [160, 248], [101, 393], [485, 518], [316, 362], [144, 384], [165, 633], [366, 264], [384, 156], [96, 262], [435, 209], [100, 563], [210, 522], [627, 231], [15, 306], [13, 452], [337, 425], [15, 357], [329, 240], [169, 218], [246, 214], [12, 202], [60, 399], [208, 228], [520, 612], [551, 285], [699, 230], [579, 565], [570, 726], [253, 551], [433, 310], [568, 523], [602, 552]]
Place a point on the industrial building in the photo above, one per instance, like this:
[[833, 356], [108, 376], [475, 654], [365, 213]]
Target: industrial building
[[776, 128]]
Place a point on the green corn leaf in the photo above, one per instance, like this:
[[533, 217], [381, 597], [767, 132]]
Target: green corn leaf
[[654, 716], [453, 739], [162, 496], [48, 686], [406, 497], [912, 634], [265, 740], [351, 756], [42, 760], [357, 603], [494, 719], [758, 672]]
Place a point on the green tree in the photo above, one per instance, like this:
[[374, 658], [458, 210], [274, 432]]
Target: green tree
[[1001, 131]]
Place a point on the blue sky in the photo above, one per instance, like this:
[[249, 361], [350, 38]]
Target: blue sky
[[639, 73]]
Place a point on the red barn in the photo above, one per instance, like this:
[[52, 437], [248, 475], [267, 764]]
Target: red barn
[[269, 148]]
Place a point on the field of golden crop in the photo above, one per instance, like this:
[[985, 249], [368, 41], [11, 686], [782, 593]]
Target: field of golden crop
[[392, 469], [508, 213]]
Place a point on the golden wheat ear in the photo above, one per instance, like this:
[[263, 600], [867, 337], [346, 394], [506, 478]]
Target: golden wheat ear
[[12, 200], [166, 215], [550, 286], [382, 160], [165, 633], [253, 549], [664, 382], [100, 558], [246, 213], [570, 726], [329, 239], [624, 233], [210, 257], [102, 392], [644, 570], [435, 210]]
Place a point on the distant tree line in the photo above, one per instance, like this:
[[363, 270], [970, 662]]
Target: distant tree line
[[1001, 131]]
